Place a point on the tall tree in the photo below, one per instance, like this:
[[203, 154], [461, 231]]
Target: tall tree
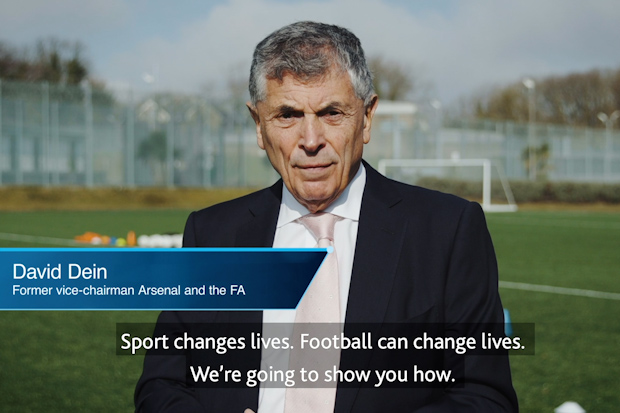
[[53, 60], [573, 99], [392, 80]]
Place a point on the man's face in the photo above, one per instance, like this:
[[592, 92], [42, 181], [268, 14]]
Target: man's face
[[314, 133]]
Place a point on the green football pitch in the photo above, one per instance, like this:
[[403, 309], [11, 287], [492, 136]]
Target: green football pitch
[[558, 270]]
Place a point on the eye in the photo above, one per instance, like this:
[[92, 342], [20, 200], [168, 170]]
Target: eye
[[289, 114], [332, 115]]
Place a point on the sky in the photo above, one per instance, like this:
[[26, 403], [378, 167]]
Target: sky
[[456, 48]]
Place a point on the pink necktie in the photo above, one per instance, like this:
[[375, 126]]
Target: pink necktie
[[321, 304]]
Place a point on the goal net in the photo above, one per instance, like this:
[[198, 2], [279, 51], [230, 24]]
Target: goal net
[[479, 180]]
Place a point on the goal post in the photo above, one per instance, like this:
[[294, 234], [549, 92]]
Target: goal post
[[410, 170]]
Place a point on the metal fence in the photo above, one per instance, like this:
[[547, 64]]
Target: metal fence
[[71, 135], [553, 152]]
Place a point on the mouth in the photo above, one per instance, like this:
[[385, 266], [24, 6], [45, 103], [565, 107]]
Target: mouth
[[314, 169], [315, 166]]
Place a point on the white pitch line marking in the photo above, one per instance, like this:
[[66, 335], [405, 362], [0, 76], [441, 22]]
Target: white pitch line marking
[[559, 290]]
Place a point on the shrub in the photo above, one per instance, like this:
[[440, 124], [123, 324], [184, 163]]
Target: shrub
[[528, 191]]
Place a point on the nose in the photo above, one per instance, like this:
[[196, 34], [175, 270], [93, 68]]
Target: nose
[[312, 137]]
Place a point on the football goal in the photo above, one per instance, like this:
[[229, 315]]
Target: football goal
[[477, 179]]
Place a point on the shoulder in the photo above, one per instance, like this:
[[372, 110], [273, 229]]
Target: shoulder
[[412, 199], [236, 208], [439, 212], [413, 193], [425, 213], [218, 225]]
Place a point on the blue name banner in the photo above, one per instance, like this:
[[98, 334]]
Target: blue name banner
[[155, 279]]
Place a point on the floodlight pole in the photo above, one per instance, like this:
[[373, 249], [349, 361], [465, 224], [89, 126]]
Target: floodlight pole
[[436, 104], [486, 186], [396, 137], [19, 134], [45, 132], [89, 133], [530, 84], [130, 144], [55, 140], [170, 153], [608, 121], [207, 146]]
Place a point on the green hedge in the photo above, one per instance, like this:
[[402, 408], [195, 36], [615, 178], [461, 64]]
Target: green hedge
[[527, 191]]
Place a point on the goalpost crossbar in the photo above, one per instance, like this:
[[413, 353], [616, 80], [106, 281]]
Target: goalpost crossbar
[[486, 165]]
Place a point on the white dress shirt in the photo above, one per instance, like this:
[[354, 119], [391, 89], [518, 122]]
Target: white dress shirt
[[292, 234]]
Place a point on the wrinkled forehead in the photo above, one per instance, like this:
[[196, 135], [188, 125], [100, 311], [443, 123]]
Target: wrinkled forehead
[[332, 86]]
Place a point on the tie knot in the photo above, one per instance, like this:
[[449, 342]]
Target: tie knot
[[321, 225]]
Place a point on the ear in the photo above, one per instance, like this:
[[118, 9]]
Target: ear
[[254, 114], [370, 113]]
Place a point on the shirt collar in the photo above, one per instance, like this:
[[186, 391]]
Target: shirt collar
[[347, 205]]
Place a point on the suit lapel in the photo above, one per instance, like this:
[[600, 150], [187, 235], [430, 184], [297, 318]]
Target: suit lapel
[[260, 228], [378, 248], [379, 242]]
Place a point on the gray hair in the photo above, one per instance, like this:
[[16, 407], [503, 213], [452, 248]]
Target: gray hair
[[308, 50]]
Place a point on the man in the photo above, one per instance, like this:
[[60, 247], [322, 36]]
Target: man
[[404, 254]]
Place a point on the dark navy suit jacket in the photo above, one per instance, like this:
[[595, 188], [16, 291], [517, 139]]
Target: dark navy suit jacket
[[421, 256]]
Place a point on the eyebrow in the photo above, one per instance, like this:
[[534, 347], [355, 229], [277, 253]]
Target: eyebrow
[[330, 106], [286, 108]]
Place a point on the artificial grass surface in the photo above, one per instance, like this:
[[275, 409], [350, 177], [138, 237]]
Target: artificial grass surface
[[66, 361]]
